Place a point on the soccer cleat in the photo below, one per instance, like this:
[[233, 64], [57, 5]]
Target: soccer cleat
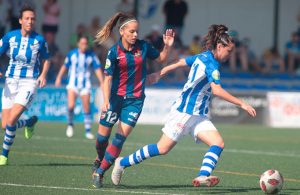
[[209, 181], [96, 165], [70, 131], [89, 135], [29, 130], [97, 180], [117, 172], [3, 160]]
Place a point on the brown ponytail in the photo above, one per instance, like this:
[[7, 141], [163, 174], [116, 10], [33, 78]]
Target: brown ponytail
[[106, 30], [216, 34]]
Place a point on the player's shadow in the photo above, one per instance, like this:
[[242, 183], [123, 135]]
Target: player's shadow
[[190, 188]]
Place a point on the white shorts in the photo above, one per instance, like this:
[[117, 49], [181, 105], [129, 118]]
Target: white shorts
[[81, 92], [18, 91], [179, 124]]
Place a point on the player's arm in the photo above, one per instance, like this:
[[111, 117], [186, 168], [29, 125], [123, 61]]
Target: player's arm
[[106, 92], [217, 90], [154, 77], [60, 74], [99, 75], [168, 39], [42, 78]]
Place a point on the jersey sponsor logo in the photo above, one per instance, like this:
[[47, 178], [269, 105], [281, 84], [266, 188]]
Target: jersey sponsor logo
[[21, 58], [137, 54], [107, 63], [121, 57], [216, 75]]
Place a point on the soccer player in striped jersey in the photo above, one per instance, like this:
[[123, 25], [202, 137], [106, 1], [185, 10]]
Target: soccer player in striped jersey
[[189, 113], [26, 49], [124, 85], [80, 62]]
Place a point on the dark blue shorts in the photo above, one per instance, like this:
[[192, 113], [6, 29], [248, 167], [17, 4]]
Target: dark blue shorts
[[127, 110]]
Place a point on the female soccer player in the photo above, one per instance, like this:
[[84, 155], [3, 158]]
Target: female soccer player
[[79, 61], [25, 48], [189, 112], [124, 85]]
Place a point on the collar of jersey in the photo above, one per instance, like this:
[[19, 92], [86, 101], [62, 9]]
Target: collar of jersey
[[123, 48]]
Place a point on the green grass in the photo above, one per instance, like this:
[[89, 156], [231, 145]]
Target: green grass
[[50, 163]]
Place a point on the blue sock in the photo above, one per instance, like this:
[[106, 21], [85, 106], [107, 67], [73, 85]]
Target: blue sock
[[101, 145], [70, 116], [144, 153], [9, 137], [21, 123], [210, 160]]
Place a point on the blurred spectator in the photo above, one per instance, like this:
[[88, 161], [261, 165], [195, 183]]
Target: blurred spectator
[[272, 61], [155, 37], [125, 6], [81, 30], [195, 46], [239, 55], [55, 56], [252, 59], [175, 12], [51, 17], [293, 52], [3, 16], [94, 27], [14, 11]]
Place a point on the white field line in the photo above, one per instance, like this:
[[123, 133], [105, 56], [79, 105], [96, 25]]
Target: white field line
[[136, 145], [84, 189]]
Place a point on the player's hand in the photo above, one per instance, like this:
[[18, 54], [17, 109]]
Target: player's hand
[[0, 75], [105, 106], [168, 37], [152, 78], [41, 81], [57, 82], [249, 109]]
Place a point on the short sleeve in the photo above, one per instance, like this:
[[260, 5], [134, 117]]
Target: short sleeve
[[190, 60], [44, 50], [4, 44], [212, 73], [152, 52], [110, 62], [67, 62]]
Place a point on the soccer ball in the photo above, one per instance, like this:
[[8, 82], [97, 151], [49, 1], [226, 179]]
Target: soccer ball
[[271, 182]]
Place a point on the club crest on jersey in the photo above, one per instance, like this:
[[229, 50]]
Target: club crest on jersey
[[137, 54], [216, 75], [107, 63]]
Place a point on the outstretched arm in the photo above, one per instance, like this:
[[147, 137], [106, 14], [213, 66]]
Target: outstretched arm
[[168, 38], [222, 93]]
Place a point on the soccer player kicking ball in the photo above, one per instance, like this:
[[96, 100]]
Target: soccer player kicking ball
[[188, 114], [25, 48]]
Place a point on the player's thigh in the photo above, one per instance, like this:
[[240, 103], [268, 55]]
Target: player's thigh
[[26, 93], [131, 110], [72, 95], [111, 116]]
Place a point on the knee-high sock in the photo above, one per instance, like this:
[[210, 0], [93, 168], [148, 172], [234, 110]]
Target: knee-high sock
[[210, 160], [70, 116], [21, 123], [140, 155], [87, 122], [112, 152], [101, 145], [9, 137]]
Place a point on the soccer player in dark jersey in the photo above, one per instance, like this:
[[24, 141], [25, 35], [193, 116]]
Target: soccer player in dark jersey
[[123, 87]]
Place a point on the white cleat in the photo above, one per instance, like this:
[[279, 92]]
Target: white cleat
[[117, 172], [209, 181], [89, 135], [70, 131]]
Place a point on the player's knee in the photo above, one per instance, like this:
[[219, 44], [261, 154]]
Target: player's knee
[[163, 150]]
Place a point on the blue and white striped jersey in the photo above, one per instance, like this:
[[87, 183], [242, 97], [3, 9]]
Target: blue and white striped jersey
[[196, 95], [25, 54], [80, 66]]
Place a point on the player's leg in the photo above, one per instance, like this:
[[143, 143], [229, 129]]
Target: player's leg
[[163, 146], [10, 131], [85, 99], [207, 133], [71, 105]]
